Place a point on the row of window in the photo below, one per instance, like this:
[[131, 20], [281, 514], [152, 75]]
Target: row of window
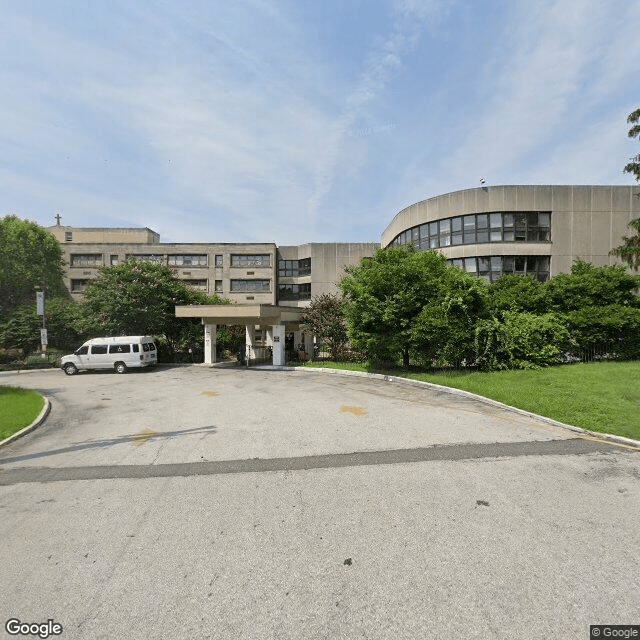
[[493, 267], [294, 291], [198, 260], [115, 348], [294, 268], [476, 228], [236, 286]]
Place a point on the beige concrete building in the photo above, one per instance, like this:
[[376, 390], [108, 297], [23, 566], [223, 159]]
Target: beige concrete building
[[538, 230]]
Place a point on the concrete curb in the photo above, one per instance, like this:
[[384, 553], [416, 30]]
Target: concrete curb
[[36, 423], [620, 440]]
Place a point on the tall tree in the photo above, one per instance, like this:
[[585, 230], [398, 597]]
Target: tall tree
[[30, 256], [138, 298], [629, 250], [324, 318]]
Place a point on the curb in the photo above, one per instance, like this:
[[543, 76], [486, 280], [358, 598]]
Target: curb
[[620, 440], [36, 423]]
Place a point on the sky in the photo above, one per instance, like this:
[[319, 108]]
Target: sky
[[294, 121]]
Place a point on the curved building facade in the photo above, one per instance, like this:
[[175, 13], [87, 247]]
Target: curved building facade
[[525, 230]]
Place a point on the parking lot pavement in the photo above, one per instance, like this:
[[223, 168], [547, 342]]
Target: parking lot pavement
[[189, 503], [190, 414]]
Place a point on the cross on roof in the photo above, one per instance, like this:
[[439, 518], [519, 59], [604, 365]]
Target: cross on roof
[[58, 219]]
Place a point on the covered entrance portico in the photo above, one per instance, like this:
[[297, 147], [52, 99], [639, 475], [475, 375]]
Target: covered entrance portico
[[274, 320]]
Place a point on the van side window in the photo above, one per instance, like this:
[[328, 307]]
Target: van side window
[[136, 348], [152, 346], [145, 346], [82, 351], [119, 348], [99, 348]]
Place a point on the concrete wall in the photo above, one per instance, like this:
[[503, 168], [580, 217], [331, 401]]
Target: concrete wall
[[586, 221], [105, 235]]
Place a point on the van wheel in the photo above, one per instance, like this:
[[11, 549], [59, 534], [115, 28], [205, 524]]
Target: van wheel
[[70, 369], [120, 367]]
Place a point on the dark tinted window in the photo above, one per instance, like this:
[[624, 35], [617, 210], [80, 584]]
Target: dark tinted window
[[145, 346], [99, 348], [152, 346], [136, 348], [119, 348], [82, 351]]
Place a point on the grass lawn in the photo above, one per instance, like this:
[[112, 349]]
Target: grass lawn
[[18, 409], [603, 396]]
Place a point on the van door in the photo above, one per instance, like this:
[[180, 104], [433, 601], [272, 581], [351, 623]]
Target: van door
[[119, 353], [82, 357], [98, 358]]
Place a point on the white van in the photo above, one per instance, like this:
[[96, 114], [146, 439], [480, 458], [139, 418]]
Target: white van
[[112, 353]]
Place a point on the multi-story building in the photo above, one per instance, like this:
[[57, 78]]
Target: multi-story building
[[537, 230]]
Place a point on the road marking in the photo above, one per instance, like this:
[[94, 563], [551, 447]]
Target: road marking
[[572, 446]]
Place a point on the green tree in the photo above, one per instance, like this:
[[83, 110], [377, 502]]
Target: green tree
[[516, 293], [30, 256], [324, 318], [629, 250], [401, 303], [138, 298], [589, 286]]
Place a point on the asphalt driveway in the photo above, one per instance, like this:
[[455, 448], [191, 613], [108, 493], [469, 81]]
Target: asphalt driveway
[[228, 503]]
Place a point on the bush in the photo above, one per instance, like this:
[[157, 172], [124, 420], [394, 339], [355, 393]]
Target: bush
[[521, 341]]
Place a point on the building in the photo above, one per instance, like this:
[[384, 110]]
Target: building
[[537, 230], [488, 231]]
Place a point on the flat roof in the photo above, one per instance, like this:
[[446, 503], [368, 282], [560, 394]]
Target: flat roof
[[240, 313]]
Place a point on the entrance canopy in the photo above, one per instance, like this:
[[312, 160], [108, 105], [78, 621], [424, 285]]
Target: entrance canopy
[[275, 319], [244, 314]]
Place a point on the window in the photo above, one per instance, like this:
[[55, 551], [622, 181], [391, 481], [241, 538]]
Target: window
[[86, 259], [258, 286], [147, 257], [68, 236], [135, 348], [78, 286], [187, 261], [477, 228], [200, 283], [218, 260], [257, 260], [119, 348], [294, 268], [218, 286], [294, 291], [98, 348], [493, 267], [115, 260], [82, 351]]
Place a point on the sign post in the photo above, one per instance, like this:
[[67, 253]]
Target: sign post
[[40, 312]]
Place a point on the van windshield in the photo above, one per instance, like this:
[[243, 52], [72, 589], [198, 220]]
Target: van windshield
[[82, 351]]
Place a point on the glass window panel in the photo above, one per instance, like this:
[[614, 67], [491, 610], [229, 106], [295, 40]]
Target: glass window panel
[[470, 265], [445, 240], [445, 225], [543, 235], [532, 218], [495, 275], [415, 233], [507, 219], [469, 237], [433, 242], [531, 263], [496, 263], [496, 236], [433, 228], [482, 235], [456, 238], [520, 262], [482, 220], [469, 222], [508, 264], [520, 219], [508, 236], [544, 219], [484, 264], [457, 262], [496, 220], [424, 244], [456, 224], [424, 230]]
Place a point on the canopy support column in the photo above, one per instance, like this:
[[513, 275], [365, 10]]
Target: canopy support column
[[278, 345], [210, 335]]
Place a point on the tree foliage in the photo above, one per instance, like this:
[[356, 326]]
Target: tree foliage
[[139, 298], [30, 256], [402, 303], [629, 250], [325, 319]]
